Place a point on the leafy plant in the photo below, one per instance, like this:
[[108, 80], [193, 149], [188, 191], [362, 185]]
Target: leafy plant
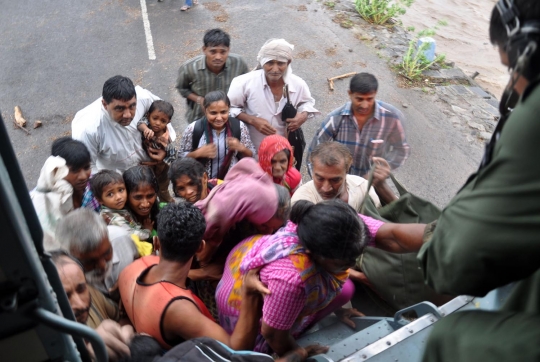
[[410, 28], [330, 4], [380, 11], [414, 61]]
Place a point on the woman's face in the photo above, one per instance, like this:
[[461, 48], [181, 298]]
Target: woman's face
[[141, 200], [191, 190], [280, 163], [217, 114]]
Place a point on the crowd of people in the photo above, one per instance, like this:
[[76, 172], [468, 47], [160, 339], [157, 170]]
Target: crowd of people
[[244, 251]]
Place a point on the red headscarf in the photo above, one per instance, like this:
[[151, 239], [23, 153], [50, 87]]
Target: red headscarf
[[268, 149]]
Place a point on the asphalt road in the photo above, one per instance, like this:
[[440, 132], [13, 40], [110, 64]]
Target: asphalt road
[[56, 55]]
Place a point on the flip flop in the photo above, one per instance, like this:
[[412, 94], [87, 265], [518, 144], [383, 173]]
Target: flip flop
[[185, 8]]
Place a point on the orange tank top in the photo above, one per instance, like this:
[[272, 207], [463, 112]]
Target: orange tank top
[[145, 304]]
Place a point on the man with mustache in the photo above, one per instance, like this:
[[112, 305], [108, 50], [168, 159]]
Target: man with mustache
[[91, 307], [103, 251], [257, 97], [108, 127], [368, 127], [330, 162], [214, 70]]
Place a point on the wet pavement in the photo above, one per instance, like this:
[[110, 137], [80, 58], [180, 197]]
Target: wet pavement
[[56, 55]]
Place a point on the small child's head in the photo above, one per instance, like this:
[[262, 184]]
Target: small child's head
[[109, 189], [159, 116]]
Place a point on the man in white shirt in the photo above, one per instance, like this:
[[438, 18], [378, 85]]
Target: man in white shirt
[[330, 162], [104, 251], [108, 126], [257, 97]]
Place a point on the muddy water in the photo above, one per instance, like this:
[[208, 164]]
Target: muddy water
[[465, 40]]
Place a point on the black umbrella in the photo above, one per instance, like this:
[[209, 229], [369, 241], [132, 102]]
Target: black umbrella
[[296, 138]]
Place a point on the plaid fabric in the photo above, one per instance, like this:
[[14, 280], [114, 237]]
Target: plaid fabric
[[386, 124], [89, 201], [373, 225], [193, 77]]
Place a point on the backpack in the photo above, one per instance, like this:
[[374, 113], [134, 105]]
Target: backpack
[[208, 349], [200, 124]]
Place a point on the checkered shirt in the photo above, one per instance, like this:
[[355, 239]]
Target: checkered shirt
[[386, 124]]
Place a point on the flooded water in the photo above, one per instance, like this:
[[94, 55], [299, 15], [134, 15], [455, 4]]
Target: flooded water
[[465, 38]]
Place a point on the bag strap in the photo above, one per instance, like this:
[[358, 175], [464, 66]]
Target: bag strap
[[235, 128], [401, 189], [286, 93], [370, 183], [198, 131]]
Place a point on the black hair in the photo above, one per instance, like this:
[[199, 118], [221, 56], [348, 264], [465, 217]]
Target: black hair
[[216, 96], [331, 229], [118, 87], [102, 179], [216, 37], [137, 176], [363, 83], [162, 106], [143, 348], [74, 152], [331, 153], [527, 11], [180, 230], [189, 167]]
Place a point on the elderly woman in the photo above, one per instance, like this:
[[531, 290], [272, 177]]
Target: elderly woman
[[276, 159], [305, 265], [257, 97]]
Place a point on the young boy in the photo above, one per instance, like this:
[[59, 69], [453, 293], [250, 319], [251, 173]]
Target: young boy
[[154, 131], [110, 191]]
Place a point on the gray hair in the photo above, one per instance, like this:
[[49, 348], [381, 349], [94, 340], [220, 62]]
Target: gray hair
[[81, 231], [284, 203]]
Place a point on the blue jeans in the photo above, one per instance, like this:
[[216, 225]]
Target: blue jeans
[[189, 3]]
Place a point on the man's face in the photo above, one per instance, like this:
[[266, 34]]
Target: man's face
[[98, 259], [74, 283], [121, 112], [216, 56], [329, 180], [189, 189], [274, 70], [79, 178], [362, 103]]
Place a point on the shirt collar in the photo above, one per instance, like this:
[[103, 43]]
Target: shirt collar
[[377, 113]]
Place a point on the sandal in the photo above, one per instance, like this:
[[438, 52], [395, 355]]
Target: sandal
[[185, 8]]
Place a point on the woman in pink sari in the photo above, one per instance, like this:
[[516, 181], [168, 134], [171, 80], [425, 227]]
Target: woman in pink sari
[[305, 266]]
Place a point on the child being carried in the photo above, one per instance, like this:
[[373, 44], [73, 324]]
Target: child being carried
[[153, 127]]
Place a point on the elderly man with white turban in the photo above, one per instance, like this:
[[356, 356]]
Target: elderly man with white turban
[[257, 97]]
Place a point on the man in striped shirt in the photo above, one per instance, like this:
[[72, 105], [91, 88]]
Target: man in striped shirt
[[368, 127], [214, 70]]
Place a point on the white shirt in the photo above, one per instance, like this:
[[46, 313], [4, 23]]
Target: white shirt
[[250, 93], [112, 146], [356, 187]]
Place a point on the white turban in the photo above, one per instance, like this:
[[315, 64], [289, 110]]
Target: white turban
[[276, 49]]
